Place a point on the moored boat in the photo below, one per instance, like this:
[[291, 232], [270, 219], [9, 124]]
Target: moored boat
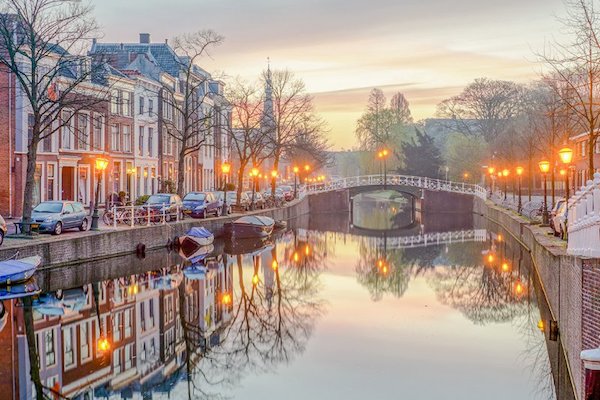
[[250, 226], [16, 271], [193, 240]]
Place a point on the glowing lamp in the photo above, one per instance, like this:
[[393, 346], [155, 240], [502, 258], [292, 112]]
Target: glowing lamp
[[307, 167], [519, 288], [490, 258], [562, 172], [544, 166], [566, 155], [101, 164], [541, 325], [499, 238], [273, 174], [505, 267], [491, 170], [103, 344], [307, 250], [255, 279], [226, 167], [274, 265], [254, 172], [520, 170], [296, 170], [226, 299], [296, 257], [505, 172]]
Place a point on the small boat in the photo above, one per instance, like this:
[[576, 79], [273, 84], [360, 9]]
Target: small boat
[[280, 225], [195, 272], [194, 239], [200, 254], [15, 271], [246, 246], [250, 226], [29, 288]]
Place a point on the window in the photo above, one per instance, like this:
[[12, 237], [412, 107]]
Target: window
[[150, 141], [30, 122], [50, 182], [99, 133], [126, 106], [143, 316], [152, 347], [115, 143], [128, 356], [141, 142], [164, 143], [143, 352], [85, 338], [127, 323], [141, 105], [151, 312], [117, 178], [150, 107], [116, 329], [68, 346], [126, 138], [117, 361], [583, 148], [115, 102], [67, 130], [49, 347], [83, 132]]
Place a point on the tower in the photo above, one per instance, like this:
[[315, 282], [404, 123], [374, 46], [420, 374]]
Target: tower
[[268, 117]]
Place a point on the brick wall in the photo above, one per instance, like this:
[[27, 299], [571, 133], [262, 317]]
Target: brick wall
[[7, 144]]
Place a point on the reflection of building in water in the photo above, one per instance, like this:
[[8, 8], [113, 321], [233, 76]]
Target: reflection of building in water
[[140, 316]]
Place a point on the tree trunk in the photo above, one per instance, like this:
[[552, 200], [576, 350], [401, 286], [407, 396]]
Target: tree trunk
[[275, 167], [30, 179], [590, 149], [240, 184], [34, 360], [181, 173]]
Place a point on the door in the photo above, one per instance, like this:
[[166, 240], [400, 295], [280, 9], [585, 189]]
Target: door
[[67, 188], [69, 216]]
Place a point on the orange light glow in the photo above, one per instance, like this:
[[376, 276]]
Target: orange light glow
[[491, 170], [273, 174], [505, 172], [226, 299], [519, 288], [296, 170], [490, 258], [544, 166], [307, 167], [103, 344], [226, 167], [274, 265], [384, 269], [520, 171], [499, 238], [566, 155], [541, 325], [101, 164], [505, 267], [562, 172], [255, 279], [254, 172], [296, 257], [306, 250]]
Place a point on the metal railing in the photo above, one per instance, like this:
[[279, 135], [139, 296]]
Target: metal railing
[[428, 239], [144, 215], [583, 211], [399, 180]]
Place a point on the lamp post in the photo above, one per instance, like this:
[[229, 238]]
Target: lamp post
[[566, 156], [519, 175], [254, 172], [101, 164], [505, 173], [383, 154], [491, 171], [296, 170], [225, 168], [544, 168]]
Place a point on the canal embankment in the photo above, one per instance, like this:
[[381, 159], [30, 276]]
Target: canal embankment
[[79, 247], [570, 284]]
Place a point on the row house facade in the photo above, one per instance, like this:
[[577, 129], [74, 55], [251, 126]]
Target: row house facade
[[580, 144]]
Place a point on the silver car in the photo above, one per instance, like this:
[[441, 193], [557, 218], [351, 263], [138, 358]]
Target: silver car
[[55, 216]]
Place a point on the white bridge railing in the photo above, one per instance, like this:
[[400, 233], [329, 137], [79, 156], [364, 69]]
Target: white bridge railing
[[399, 180], [430, 239], [584, 220]]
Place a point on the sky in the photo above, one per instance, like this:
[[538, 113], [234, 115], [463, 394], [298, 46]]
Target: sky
[[427, 49]]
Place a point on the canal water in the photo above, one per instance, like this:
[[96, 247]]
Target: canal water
[[320, 311]]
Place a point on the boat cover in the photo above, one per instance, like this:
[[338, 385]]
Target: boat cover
[[200, 232], [255, 220], [12, 267]]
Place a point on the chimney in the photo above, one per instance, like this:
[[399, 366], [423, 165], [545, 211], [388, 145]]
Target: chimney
[[144, 38]]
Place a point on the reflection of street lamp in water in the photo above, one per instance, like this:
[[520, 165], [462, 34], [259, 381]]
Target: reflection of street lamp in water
[[103, 343]]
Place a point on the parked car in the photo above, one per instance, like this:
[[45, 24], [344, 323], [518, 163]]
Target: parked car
[[288, 192], [559, 220], [220, 197], [201, 204], [554, 212], [56, 216], [167, 203], [259, 201], [232, 200], [3, 229]]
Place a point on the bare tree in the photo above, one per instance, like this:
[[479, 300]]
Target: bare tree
[[248, 140], [41, 42], [576, 69], [186, 116], [400, 109], [374, 128]]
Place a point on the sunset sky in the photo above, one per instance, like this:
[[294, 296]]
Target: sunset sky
[[427, 49]]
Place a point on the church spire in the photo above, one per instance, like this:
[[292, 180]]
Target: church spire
[[268, 115]]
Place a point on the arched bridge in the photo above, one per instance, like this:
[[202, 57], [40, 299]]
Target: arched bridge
[[431, 239], [398, 181]]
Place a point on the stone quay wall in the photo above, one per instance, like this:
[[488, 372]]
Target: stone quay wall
[[571, 285], [77, 247]]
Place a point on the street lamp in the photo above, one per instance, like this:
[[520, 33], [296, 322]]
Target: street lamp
[[544, 168], [101, 164], [566, 156], [254, 172], [383, 154], [491, 171], [296, 170], [519, 175], [225, 168], [505, 173]]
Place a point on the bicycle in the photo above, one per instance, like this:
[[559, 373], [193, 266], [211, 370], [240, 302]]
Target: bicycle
[[122, 215]]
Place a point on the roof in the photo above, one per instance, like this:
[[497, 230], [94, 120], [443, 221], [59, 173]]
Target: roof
[[161, 53]]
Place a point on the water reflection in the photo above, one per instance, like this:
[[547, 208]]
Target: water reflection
[[383, 210], [157, 328]]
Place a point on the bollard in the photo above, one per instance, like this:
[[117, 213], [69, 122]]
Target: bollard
[[114, 210], [591, 363]]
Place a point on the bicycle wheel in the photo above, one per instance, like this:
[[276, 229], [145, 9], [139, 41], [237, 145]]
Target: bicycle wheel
[[126, 217], [108, 218]]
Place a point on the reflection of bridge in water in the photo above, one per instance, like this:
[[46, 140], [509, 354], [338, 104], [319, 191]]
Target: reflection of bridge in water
[[429, 239]]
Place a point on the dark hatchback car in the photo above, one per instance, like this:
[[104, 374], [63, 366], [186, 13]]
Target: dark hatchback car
[[167, 203], [201, 204], [56, 216]]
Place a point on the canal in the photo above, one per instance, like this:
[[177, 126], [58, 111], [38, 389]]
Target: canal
[[318, 311]]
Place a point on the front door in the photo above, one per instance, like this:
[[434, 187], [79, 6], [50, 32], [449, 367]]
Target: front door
[[67, 183]]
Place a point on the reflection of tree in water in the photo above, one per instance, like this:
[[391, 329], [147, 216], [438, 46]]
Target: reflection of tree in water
[[382, 270], [483, 293], [271, 320]]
